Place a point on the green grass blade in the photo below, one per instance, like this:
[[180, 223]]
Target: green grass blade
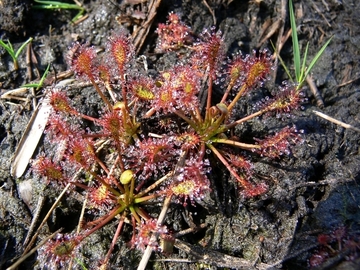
[[43, 77], [78, 16], [8, 48], [11, 48], [303, 67], [22, 47], [282, 62], [39, 84], [55, 5], [316, 58], [81, 264], [60, 5], [295, 42]]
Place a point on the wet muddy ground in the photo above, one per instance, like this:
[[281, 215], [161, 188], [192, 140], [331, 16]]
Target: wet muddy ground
[[315, 191]]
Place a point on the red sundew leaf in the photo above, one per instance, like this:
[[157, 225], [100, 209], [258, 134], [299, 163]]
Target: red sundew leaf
[[210, 52], [81, 151], [255, 190], [60, 102], [49, 169], [192, 183], [100, 196], [145, 231], [82, 61], [142, 87], [257, 68], [121, 50], [278, 144], [287, 99], [236, 70], [58, 252], [172, 35], [112, 123]]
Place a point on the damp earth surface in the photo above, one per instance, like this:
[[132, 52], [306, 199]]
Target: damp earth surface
[[314, 190]]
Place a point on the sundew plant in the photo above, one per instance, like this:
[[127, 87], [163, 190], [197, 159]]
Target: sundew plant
[[125, 163]]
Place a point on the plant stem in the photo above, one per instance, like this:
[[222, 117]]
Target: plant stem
[[245, 119], [245, 184], [113, 242], [241, 145], [227, 91], [101, 94], [186, 119], [237, 97], [111, 215], [134, 214], [158, 182], [209, 94], [146, 198]]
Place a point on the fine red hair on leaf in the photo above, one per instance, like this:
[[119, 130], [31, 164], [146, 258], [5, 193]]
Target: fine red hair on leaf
[[172, 35], [113, 125], [278, 144], [121, 50], [142, 87], [145, 231], [60, 102], [258, 68], [288, 98], [255, 190], [192, 183], [59, 130], [81, 152], [236, 71], [100, 196], [210, 52], [82, 61], [58, 252], [46, 167]]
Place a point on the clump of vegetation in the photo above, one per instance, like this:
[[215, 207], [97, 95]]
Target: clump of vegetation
[[125, 165], [11, 51], [41, 4], [338, 243]]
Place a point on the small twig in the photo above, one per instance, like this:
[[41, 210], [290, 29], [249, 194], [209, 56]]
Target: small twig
[[335, 121], [315, 92], [24, 257], [79, 226], [279, 24], [29, 58], [190, 230], [211, 11], [321, 13], [176, 260], [218, 259], [348, 82], [280, 42], [81, 218], [50, 211], [146, 256], [35, 218], [319, 183], [34, 61], [140, 34], [46, 218], [28, 62]]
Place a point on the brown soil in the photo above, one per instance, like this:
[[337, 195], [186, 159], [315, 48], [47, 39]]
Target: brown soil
[[316, 188]]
